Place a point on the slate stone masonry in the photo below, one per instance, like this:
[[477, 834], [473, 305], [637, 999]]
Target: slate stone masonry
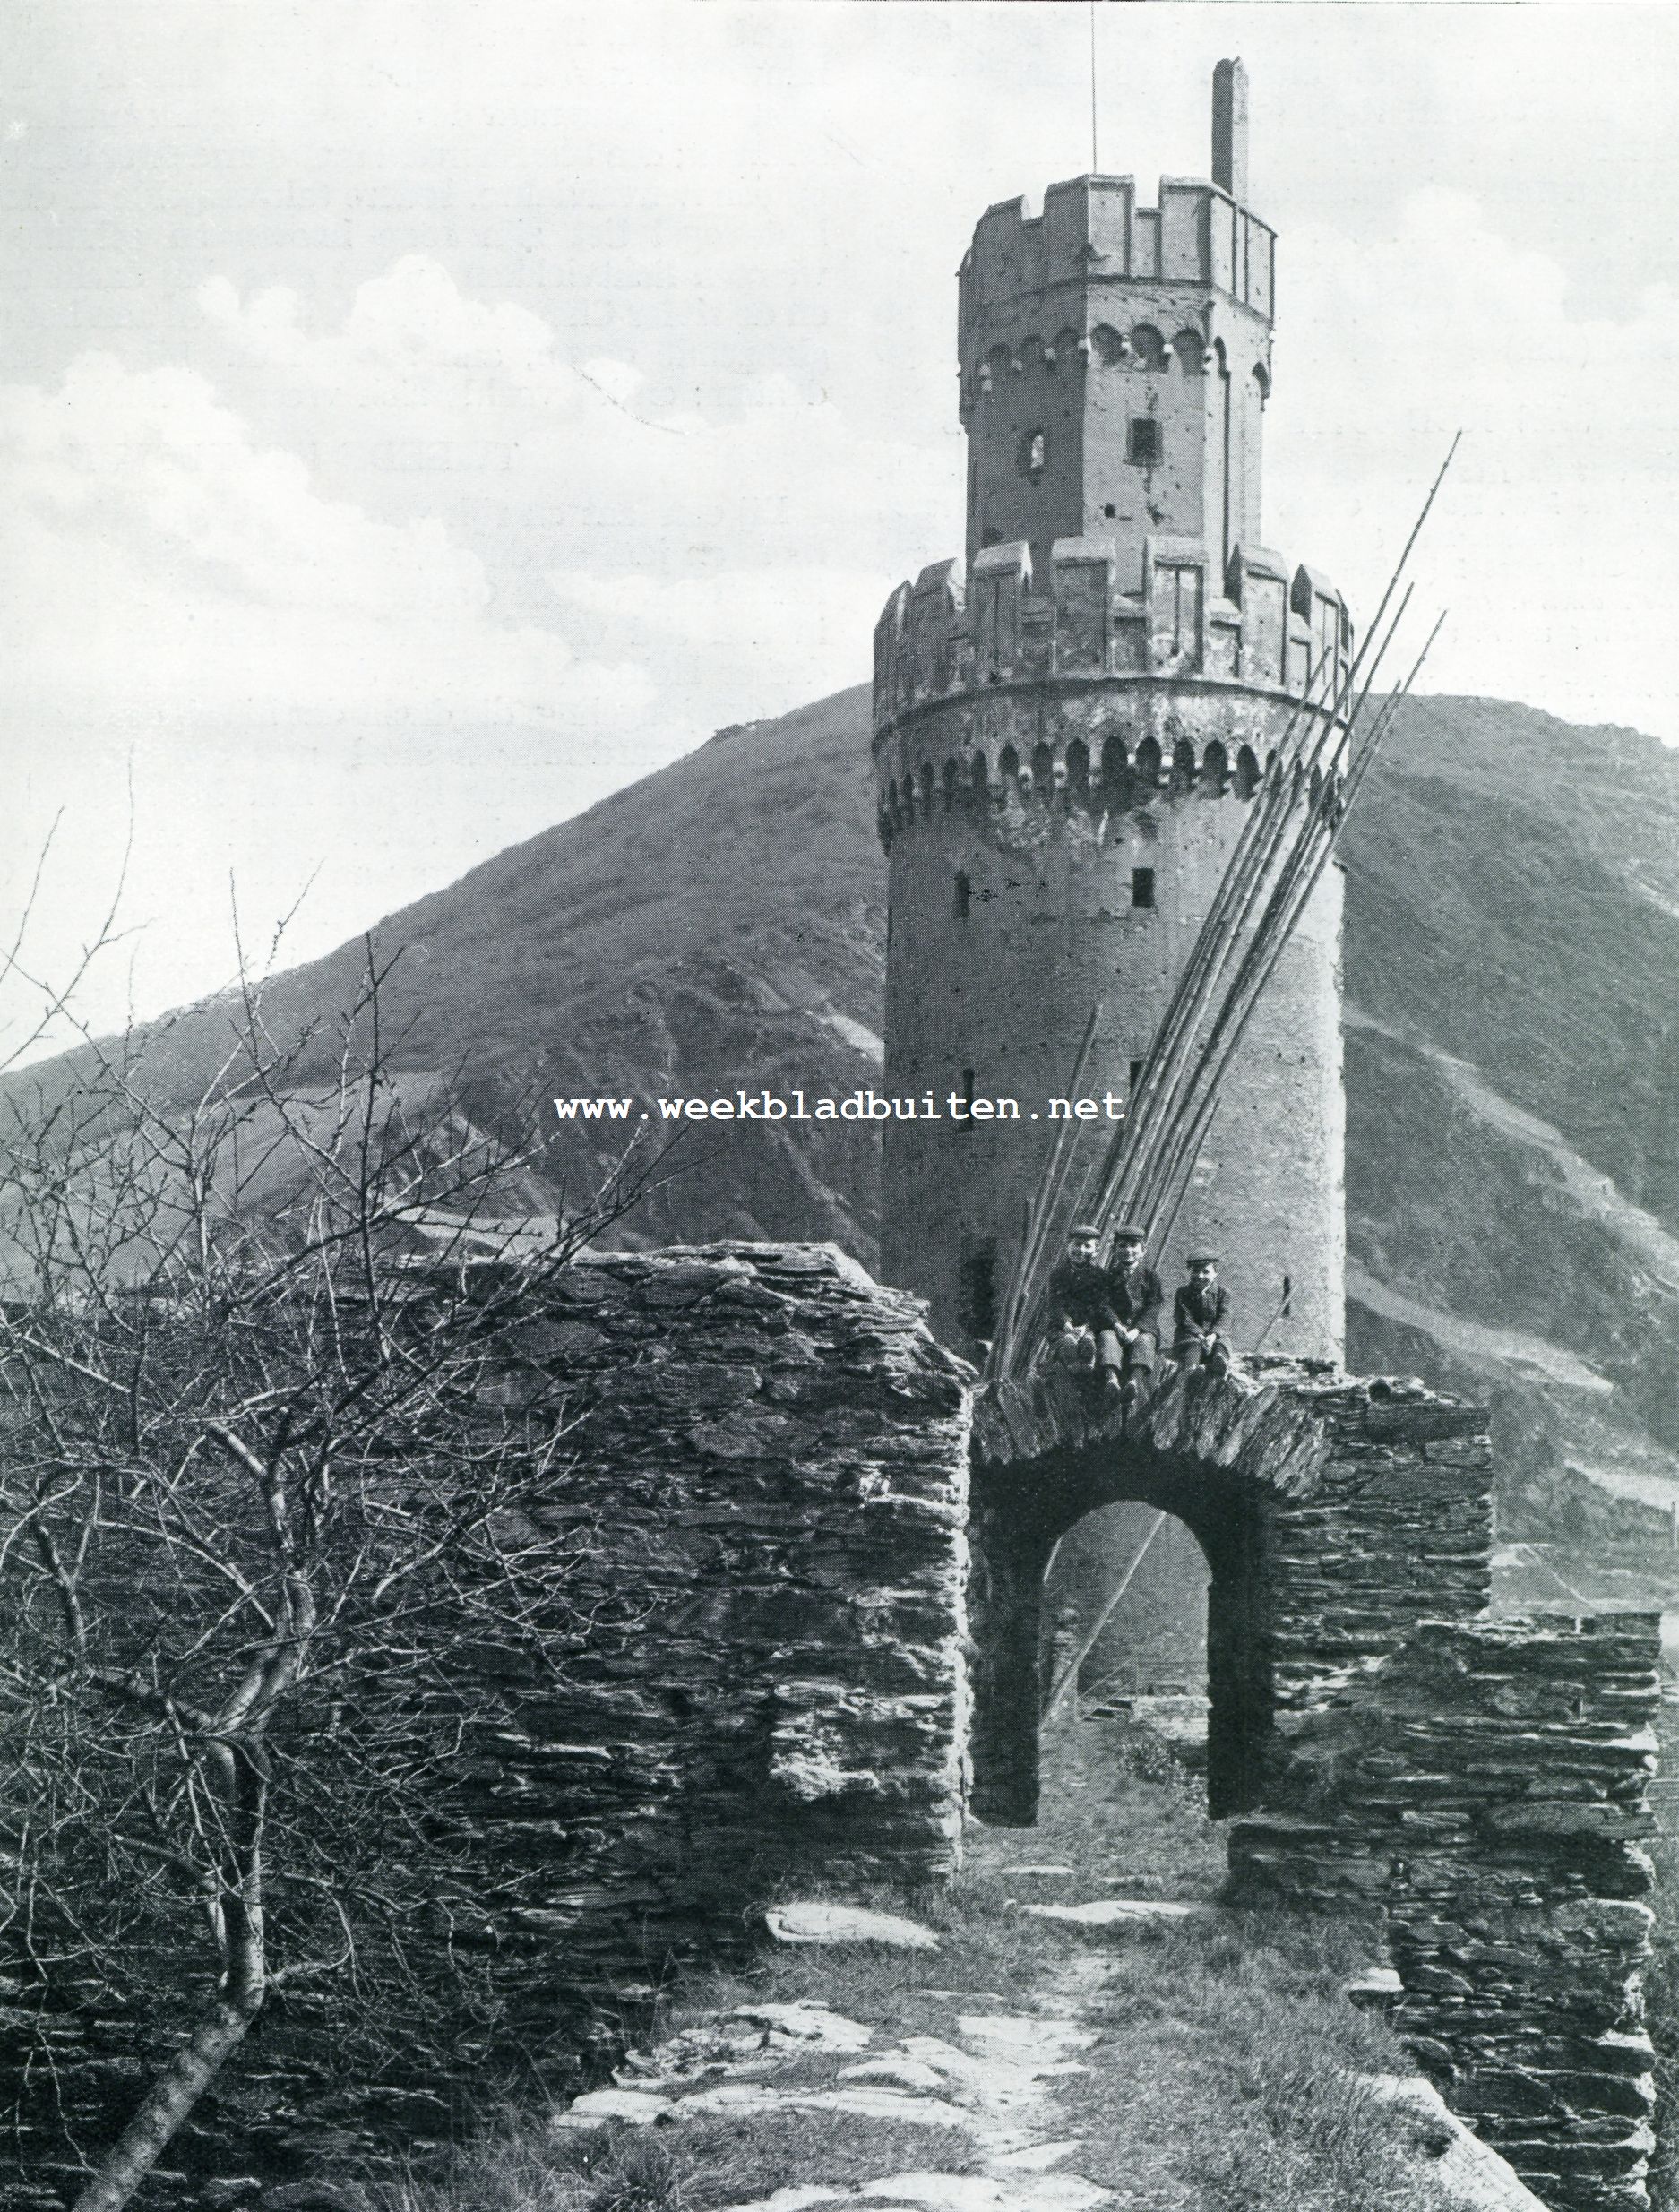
[[1487, 1790], [1335, 1514]]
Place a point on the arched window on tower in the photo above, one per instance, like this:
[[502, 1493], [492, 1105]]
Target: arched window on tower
[[1079, 772]]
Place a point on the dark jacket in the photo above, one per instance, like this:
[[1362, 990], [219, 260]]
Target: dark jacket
[[1197, 1313], [1136, 1298], [1078, 1295]]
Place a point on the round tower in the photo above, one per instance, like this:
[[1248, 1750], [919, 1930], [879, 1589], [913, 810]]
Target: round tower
[[1068, 731]]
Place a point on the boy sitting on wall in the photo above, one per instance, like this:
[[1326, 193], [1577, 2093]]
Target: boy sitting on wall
[[1200, 1314], [1134, 1294], [1084, 1326]]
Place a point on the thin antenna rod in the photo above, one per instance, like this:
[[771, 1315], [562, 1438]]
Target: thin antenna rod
[[1095, 160]]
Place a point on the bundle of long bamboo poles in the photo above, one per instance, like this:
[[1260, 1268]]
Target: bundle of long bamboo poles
[[1310, 785]]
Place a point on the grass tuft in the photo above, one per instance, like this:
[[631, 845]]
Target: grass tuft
[[700, 2167]]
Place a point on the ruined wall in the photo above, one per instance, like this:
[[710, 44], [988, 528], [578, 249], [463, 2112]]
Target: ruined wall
[[767, 1492], [760, 1674], [1487, 1790], [1062, 779]]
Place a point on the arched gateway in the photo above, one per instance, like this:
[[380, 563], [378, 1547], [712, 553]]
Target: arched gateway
[[1335, 1514]]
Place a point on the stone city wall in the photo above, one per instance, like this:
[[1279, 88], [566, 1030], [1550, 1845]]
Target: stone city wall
[[767, 1492]]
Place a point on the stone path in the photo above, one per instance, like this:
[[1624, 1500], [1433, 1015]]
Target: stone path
[[993, 2074]]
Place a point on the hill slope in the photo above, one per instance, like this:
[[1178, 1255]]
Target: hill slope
[[1512, 1046]]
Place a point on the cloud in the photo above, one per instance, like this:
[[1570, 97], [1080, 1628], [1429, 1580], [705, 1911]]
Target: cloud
[[1558, 530], [593, 462], [166, 560], [739, 550], [291, 685], [414, 315], [801, 636]]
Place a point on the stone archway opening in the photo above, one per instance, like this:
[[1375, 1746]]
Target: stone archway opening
[[1333, 1516], [1022, 1521], [1125, 1609], [1125, 1631]]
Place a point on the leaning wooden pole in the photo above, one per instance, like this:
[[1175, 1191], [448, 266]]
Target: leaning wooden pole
[[1275, 867]]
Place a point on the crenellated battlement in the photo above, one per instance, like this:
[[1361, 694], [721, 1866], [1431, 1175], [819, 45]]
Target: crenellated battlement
[[1092, 233], [945, 639], [1115, 360]]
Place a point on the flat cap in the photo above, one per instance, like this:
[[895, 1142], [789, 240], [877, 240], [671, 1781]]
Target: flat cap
[[1128, 1233], [1082, 1229], [1202, 1259]]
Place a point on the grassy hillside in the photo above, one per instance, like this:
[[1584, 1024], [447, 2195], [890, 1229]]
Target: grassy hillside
[[1513, 1080], [1512, 1047]]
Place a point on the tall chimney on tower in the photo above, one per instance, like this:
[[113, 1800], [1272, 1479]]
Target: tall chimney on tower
[[1229, 130]]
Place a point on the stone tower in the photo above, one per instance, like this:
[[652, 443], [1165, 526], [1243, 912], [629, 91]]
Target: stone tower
[[1068, 730]]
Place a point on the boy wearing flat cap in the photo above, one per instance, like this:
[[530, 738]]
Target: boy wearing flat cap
[[1081, 1312], [1134, 1294], [1200, 1315]]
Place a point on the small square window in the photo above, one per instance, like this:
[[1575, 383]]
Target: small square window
[[1144, 441], [1142, 887]]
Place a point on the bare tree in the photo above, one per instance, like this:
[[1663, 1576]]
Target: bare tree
[[261, 1480]]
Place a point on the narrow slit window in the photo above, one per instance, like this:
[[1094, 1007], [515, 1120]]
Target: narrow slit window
[[978, 1270], [964, 893], [967, 1120], [1144, 441], [1142, 887], [1136, 1073]]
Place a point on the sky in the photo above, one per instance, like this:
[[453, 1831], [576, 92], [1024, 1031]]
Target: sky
[[419, 418]]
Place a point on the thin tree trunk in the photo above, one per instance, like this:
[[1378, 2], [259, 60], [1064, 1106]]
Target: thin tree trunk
[[168, 2104], [222, 2027]]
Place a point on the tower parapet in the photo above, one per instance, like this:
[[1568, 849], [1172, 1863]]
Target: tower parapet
[[1260, 627], [1092, 235]]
